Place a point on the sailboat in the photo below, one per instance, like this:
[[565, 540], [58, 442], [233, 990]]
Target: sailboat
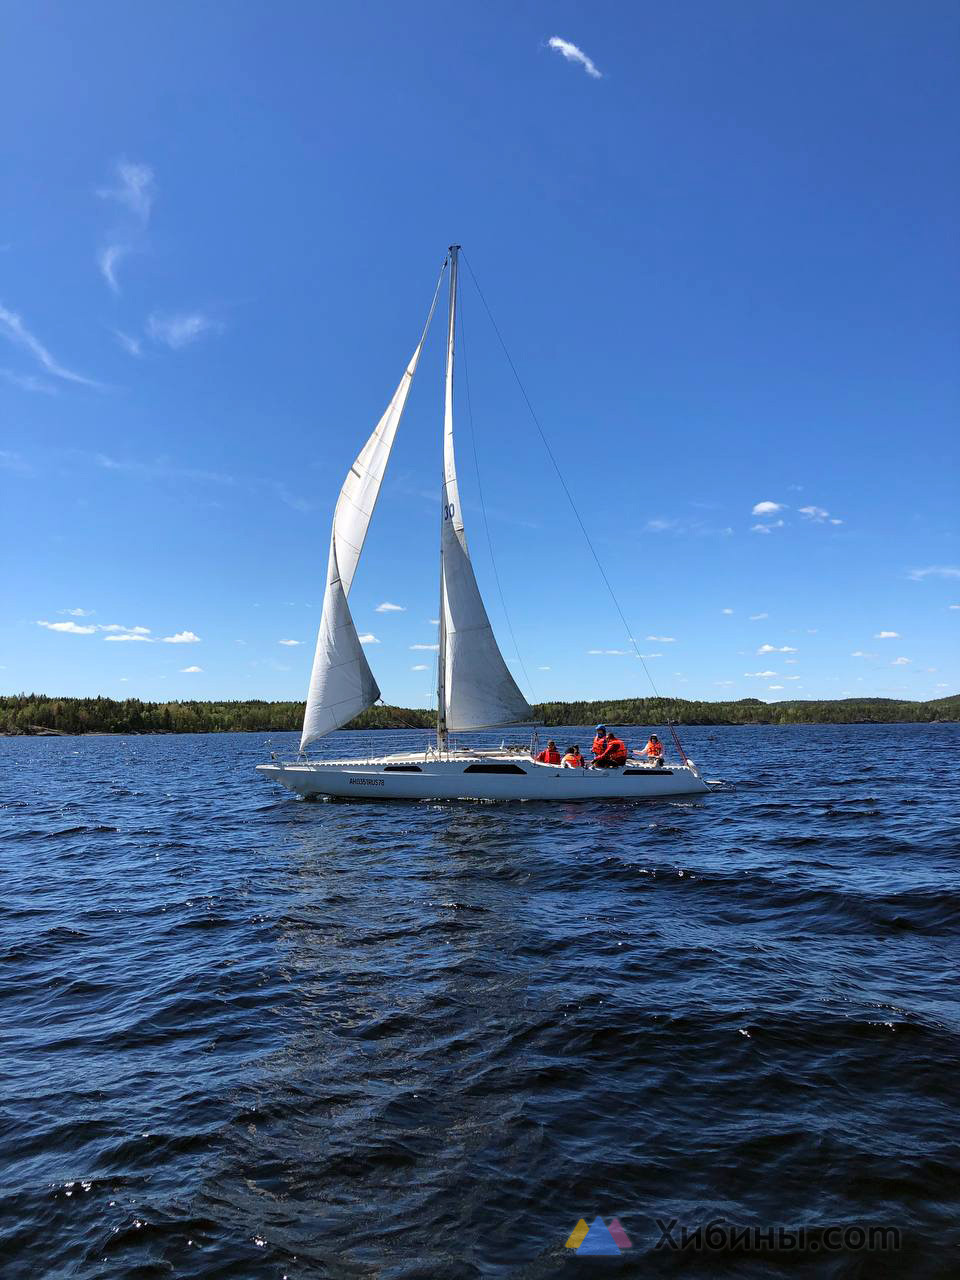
[[475, 688]]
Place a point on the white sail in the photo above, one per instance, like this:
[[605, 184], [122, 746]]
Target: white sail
[[341, 682], [475, 686]]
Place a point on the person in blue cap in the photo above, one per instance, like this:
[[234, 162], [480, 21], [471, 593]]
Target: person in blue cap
[[600, 741]]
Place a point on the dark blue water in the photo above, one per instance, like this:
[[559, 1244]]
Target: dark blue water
[[247, 1036]]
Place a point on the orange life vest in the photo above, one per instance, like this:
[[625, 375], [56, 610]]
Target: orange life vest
[[573, 761], [599, 743], [615, 751], [654, 748], [547, 756]]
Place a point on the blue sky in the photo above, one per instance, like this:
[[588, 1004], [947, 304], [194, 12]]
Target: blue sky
[[721, 246]]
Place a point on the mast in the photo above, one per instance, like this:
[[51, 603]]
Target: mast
[[445, 512]]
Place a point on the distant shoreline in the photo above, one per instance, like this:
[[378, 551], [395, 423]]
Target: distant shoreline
[[38, 715]]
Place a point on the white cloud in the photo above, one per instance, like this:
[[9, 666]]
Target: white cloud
[[573, 54], [177, 331], [130, 636], [387, 607], [544, 668], [726, 611], [758, 617], [887, 635], [182, 637], [290, 642], [421, 666], [434, 622], [766, 528], [953, 606], [762, 675], [71, 628], [135, 188], [368, 638], [662, 639], [722, 682], [434, 647], [132, 346], [614, 653], [817, 514], [13, 329], [791, 677], [901, 662], [935, 571], [774, 686], [772, 648], [115, 626], [78, 613], [767, 508], [108, 260], [648, 655], [190, 670]]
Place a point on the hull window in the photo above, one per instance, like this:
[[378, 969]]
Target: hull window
[[494, 768], [649, 773], [402, 768]]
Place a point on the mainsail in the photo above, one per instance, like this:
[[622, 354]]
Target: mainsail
[[341, 683], [475, 687]]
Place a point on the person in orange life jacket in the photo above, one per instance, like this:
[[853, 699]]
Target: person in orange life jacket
[[549, 756], [600, 741], [614, 754], [573, 759], [654, 749]]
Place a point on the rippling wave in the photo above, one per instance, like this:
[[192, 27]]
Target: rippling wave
[[246, 1036]]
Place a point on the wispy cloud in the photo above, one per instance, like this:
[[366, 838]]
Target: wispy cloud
[[935, 571], [132, 346], [191, 670], [572, 54], [762, 675], [425, 647], [134, 188], [28, 382], [291, 643], [766, 528], [420, 666], [15, 331], [758, 617], [130, 637], [178, 330], [774, 686], [387, 607], [772, 648], [662, 639], [108, 260], [859, 653], [544, 668], [368, 638], [726, 611], [115, 626], [767, 508], [78, 613], [181, 637], [10, 461], [610, 653], [887, 635], [901, 662]]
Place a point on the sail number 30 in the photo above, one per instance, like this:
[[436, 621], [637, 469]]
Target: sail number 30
[[448, 509]]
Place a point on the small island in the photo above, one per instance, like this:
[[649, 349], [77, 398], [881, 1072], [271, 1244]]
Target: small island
[[38, 714]]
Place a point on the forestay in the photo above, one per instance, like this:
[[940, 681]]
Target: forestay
[[341, 682], [475, 684]]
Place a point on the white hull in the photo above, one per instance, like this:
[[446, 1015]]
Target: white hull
[[479, 777]]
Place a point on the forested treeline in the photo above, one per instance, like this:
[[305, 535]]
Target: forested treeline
[[32, 713]]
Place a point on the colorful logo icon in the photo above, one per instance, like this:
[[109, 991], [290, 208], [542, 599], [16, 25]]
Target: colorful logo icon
[[599, 1238]]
